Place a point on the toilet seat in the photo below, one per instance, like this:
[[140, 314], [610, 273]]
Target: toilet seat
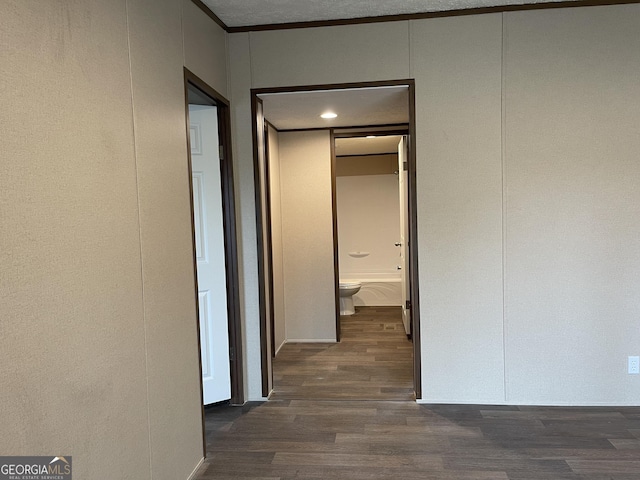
[[349, 284]]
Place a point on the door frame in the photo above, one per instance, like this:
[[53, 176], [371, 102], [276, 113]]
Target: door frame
[[262, 196], [230, 236], [351, 132], [264, 240]]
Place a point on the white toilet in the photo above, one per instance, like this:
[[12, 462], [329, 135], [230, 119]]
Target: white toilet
[[348, 288]]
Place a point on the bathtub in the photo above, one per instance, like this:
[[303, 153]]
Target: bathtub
[[378, 289]]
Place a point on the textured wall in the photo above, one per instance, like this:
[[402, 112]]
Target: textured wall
[[165, 235], [572, 205], [459, 172], [239, 89], [205, 52], [330, 54], [73, 357], [307, 235], [97, 298], [526, 204]]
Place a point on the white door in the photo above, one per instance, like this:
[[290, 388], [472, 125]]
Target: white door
[[404, 231], [210, 253]]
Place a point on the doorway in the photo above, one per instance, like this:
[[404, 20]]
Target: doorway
[[262, 114], [372, 209], [214, 242]]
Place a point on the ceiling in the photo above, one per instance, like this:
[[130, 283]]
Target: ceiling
[[242, 13], [354, 107]]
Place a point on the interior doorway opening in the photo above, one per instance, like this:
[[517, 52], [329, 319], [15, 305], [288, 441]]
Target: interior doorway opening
[[371, 185], [210, 170], [306, 229]]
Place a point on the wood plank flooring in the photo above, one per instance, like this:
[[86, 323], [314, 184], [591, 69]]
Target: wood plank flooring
[[330, 435], [373, 361]]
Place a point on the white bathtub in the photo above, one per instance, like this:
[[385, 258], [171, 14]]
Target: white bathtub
[[378, 289]]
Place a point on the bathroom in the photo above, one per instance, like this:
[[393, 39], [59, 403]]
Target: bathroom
[[368, 219]]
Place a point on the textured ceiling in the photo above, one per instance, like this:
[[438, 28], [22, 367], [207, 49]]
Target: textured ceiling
[[354, 107], [241, 13]]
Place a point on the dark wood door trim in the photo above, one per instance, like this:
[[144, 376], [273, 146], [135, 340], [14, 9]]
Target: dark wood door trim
[[351, 132], [330, 86], [269, 239], [414, 293], [230, 236], [334, 216], [413, 230], [265, 285]]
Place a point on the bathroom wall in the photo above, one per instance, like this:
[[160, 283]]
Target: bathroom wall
[[307, 235], [368, 209], [350, 165]]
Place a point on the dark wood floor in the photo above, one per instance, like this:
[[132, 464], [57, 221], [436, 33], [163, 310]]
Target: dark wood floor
[[373, 361], [329, 436]]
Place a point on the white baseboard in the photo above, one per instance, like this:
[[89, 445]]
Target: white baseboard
[[194, 474], [280, 347]]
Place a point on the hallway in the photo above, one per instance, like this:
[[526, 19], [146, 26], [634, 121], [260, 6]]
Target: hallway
[[373, 361]]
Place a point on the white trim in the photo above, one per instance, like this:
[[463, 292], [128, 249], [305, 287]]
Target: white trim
[[280, 347], [195, 470]]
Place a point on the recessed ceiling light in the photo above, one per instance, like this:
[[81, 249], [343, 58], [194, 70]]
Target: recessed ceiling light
[[371, 136], [329, 115]]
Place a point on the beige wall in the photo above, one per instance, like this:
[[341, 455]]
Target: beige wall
[[572, 205], [458, 119], [366, 165], [526, 205], [329, 54], [205, 52], [280, 333], [97, 299], [239, 87], [307, 235]]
